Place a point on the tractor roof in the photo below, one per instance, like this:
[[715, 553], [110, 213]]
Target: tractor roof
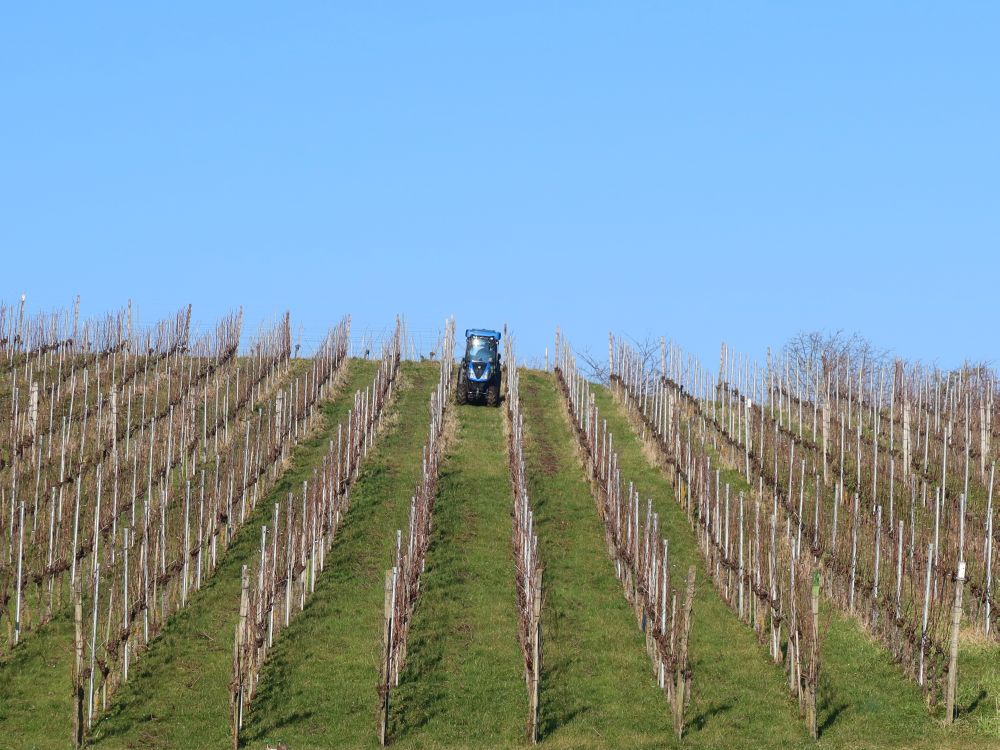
[[482, 332]]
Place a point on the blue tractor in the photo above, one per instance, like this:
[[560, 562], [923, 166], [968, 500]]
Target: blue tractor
[[479, 373]]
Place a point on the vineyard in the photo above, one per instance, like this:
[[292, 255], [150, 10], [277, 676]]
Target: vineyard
[[208, 540]]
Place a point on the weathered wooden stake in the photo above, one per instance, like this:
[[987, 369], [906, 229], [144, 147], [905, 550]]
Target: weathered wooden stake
[[536, 658], [20, 562], [814, 660], [956, 620], [383, 725], [78, 663], [682, 691], [238, 653]]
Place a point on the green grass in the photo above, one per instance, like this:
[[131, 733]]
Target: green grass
[[463, 683], [36, 703], [318, 688], [598, 688], [177, 695], [739, 697], [864, 700]]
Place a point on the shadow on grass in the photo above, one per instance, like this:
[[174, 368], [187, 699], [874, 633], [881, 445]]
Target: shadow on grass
[[700, 721], [559, 705], [980, 697], [830, 714], [408, 719], [828, 708]]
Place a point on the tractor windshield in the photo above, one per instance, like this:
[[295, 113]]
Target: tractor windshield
[[481, 349]]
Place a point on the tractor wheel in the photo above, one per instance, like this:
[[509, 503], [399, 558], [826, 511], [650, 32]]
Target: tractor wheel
[[461, 394], [493, 395]]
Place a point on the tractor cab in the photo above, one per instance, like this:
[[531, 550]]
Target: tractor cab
[[479, 373]]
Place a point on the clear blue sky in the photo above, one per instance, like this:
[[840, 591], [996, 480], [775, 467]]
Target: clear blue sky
[[700, 170]]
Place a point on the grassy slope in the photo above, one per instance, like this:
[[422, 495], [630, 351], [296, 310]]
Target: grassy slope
[[978, 675], [598, 688], [865, 701], [739, 697], [463, 680], [35, 700], [319, 685], [178, 694], [867, 694], [36, 704]]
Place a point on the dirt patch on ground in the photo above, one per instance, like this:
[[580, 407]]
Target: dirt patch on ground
[[548, 459]]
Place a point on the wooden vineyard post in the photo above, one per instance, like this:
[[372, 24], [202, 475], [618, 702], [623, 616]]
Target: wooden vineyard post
[[682, 691], [383, 725], [536, 658], [78, 663], [854, 553], [611, 355], [927, 603], [814, 660], [93, 645], [238, 653], [989, 551], [956, 619]]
